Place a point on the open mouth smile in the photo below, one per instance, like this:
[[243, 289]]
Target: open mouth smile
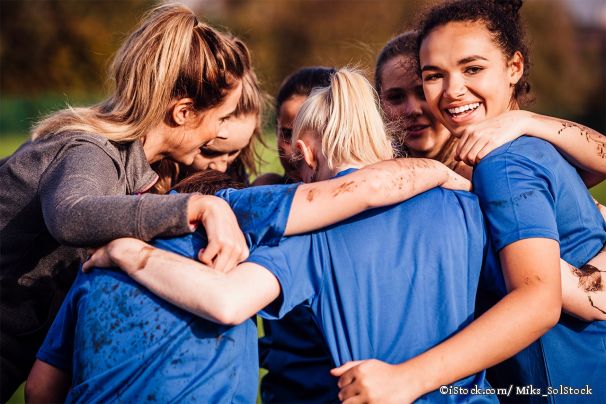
[[463, 110]]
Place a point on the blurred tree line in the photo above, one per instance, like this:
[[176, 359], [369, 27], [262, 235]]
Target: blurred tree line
[[57, 51]]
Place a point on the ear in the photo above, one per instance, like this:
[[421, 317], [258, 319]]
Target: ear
[[515, 68], [308, 153], [183, 111]]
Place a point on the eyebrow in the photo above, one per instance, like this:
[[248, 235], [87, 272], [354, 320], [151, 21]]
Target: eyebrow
[[463, 61]]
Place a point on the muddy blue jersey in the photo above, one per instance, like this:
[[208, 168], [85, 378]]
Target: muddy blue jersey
[[121, 343], [528, 190]]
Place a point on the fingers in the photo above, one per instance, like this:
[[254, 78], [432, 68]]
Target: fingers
[[207, 255], [350, 394], [224, 254], [91, 259], [468, 145], [338, 372]]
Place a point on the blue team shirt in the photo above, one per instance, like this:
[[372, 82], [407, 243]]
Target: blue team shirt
[[389, 283], [122, 343], [527, 190]]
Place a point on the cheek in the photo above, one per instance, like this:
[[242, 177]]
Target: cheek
[[200, 163], [393, 112]]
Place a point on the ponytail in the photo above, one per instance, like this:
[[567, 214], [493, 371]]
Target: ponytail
[[346, 116]]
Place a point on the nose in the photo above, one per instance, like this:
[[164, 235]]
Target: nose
[[219, 164], [412, 107], [454, 86]]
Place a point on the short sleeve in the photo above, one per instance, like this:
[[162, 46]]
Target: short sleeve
[[262, 211], [516, 197], [58, 346], [296, 263]]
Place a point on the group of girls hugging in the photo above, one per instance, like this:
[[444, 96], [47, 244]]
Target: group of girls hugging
[[429, 239]]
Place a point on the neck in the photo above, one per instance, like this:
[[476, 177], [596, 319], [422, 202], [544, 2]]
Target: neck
[[344, 167], [153, 145]]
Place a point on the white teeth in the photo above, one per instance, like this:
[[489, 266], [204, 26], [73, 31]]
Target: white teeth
[[461, 109]]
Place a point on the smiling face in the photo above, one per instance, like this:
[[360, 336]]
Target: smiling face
[[197, 129], [221, 152], [404, 103], [466, 76]]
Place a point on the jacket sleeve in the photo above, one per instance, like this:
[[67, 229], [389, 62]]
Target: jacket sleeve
[[82, 203]]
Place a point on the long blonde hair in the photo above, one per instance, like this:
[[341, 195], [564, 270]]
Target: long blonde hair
[[170, 55], [347, 118]]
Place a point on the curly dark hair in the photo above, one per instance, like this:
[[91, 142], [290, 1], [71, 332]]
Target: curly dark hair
[[501, 18]]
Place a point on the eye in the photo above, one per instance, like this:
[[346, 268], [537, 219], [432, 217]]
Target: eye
[[432, 77], [473, 70], [209, 153], [394, 98]]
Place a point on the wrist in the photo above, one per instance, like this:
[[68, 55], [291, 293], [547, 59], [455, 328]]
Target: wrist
[[414, 381], [196, 209], [128, 254]]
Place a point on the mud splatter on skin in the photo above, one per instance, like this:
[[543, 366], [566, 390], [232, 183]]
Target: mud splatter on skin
[[348, 186], [594, 306], [590, 278], [311, 194], [588, 135], [146, 252]]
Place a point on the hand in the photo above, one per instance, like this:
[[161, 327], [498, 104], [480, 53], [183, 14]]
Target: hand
[[371, 381], [456, 182], [226, 244], [477, 140], [113, 253]]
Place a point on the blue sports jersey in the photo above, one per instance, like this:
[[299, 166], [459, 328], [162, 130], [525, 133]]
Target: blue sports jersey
[[121, 343], [527, 190], [389, 283], [295, 354]]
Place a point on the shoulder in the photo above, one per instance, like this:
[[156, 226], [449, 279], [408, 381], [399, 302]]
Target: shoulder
[[526, 156]]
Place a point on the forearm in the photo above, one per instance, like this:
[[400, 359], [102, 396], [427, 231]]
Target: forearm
[[583, 293], [216, 296], [514, 323], [585, 147], [530, 309], [324, 203], [90, 220]]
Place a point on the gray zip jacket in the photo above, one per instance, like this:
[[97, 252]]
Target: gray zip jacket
[[65, 191]]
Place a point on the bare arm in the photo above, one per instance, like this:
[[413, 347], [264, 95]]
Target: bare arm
[[46, 384], [583, 146], [324, 203], [583, 291], [530, 309], [226, 298]]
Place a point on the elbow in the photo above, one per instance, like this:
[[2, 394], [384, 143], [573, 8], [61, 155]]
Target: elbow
[[228, 311], [550, 310], [229, 316]]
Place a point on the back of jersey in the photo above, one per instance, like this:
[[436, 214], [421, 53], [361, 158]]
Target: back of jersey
[[389, 283]]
